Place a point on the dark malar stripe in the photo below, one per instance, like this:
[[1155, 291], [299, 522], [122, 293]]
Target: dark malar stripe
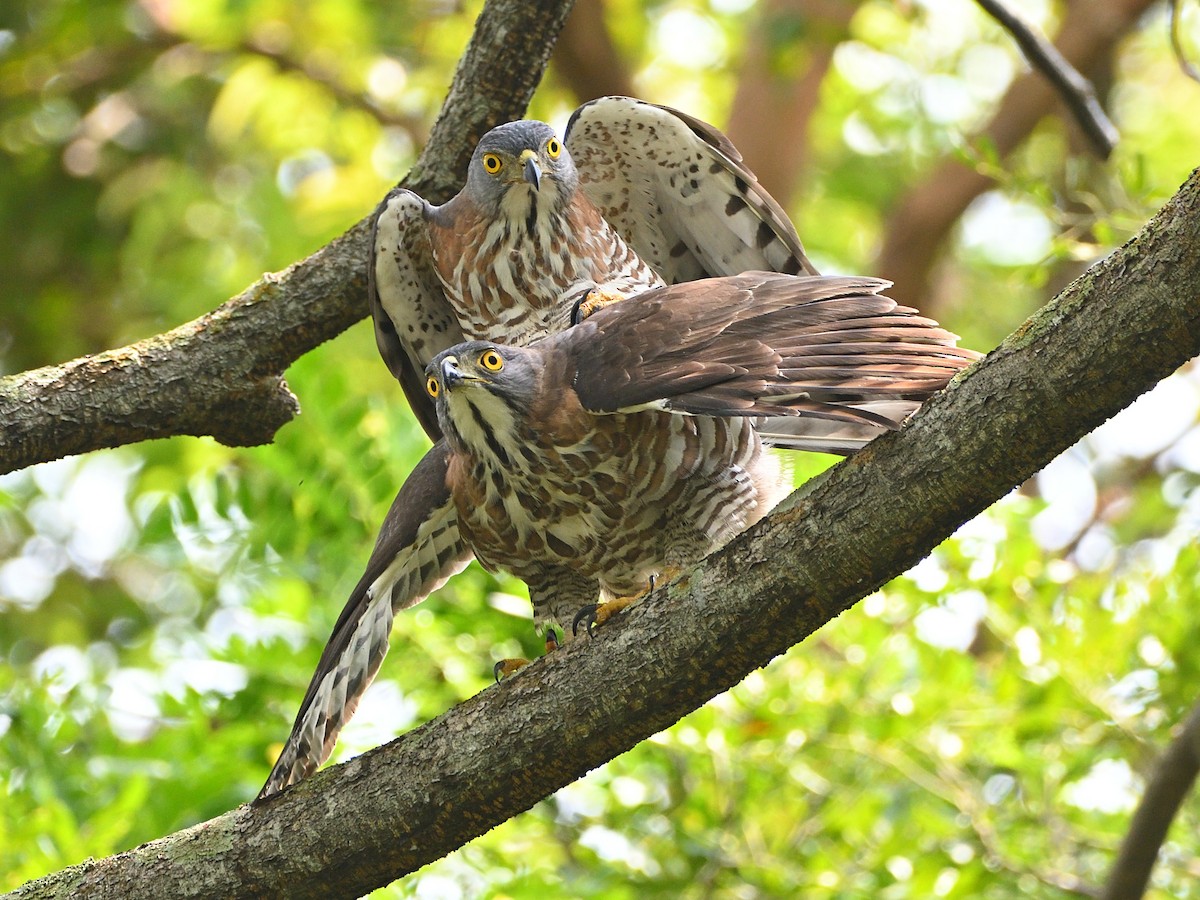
[[489, 436], [531, 217]]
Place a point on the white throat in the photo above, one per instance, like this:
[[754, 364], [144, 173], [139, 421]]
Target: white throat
[[482, 420]]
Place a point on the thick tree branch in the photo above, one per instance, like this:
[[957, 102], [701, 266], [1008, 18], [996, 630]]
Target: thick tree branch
[[222, 375], [923, 217], [1074, 90], [1125, 324], [1173, 778]]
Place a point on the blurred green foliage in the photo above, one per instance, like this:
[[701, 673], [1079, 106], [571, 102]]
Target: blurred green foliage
[[981, 728]]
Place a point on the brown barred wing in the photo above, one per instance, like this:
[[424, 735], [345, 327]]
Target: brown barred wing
[[821, 347]]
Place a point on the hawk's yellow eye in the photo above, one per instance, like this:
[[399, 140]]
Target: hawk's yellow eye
[[553, 148], [431, 385], [491, 360], [492, 163]]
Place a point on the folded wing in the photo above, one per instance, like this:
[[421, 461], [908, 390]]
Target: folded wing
[[826, 348]]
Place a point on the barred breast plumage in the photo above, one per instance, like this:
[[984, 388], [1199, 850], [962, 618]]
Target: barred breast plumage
[[661, 491], [519, 273]]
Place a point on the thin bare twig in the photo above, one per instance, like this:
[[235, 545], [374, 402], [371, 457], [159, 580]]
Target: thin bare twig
[[922, 219], [952, 788], [1171, 782], [1189, 68], [1076, 91], [415, 125]]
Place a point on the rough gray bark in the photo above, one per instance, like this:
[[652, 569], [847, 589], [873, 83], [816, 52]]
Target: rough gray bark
[[1125, 324], [222, 374]]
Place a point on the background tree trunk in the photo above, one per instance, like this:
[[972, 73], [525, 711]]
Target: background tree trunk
[[787, 56], [587, 59]]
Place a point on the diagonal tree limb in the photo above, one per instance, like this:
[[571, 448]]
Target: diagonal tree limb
[[222, 374], [1126, 323], [1074, 90], [1173, 777]]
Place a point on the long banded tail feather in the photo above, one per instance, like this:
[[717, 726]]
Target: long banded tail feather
[[418, 549], [837, 437]]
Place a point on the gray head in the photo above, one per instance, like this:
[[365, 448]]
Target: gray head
[[526, 157], [482, 391]]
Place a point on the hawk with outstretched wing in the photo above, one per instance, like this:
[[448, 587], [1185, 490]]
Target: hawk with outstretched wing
[[635, 196], [594, 460]]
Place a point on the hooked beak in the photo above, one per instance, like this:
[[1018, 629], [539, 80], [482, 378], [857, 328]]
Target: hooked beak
[[452, 375], [533, 171]]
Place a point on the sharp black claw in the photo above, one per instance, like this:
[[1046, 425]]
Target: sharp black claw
[[589, 613], [551, 640], [575, 320], [496, 670]]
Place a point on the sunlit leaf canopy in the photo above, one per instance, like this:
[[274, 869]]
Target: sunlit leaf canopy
[[983, 725]]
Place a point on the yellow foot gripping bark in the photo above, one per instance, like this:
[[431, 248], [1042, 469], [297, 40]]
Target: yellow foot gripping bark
[[508, 667], [596, 299], [598, 613]]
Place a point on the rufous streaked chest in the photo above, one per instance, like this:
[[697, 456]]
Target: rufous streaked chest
[[516, 276]]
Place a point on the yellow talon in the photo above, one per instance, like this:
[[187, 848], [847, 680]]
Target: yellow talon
[[597, 299], [599, 613], [606, 611], [508, 667]]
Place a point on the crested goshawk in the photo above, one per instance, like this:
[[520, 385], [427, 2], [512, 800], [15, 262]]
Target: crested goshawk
[[591, 461], [634, 196]]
